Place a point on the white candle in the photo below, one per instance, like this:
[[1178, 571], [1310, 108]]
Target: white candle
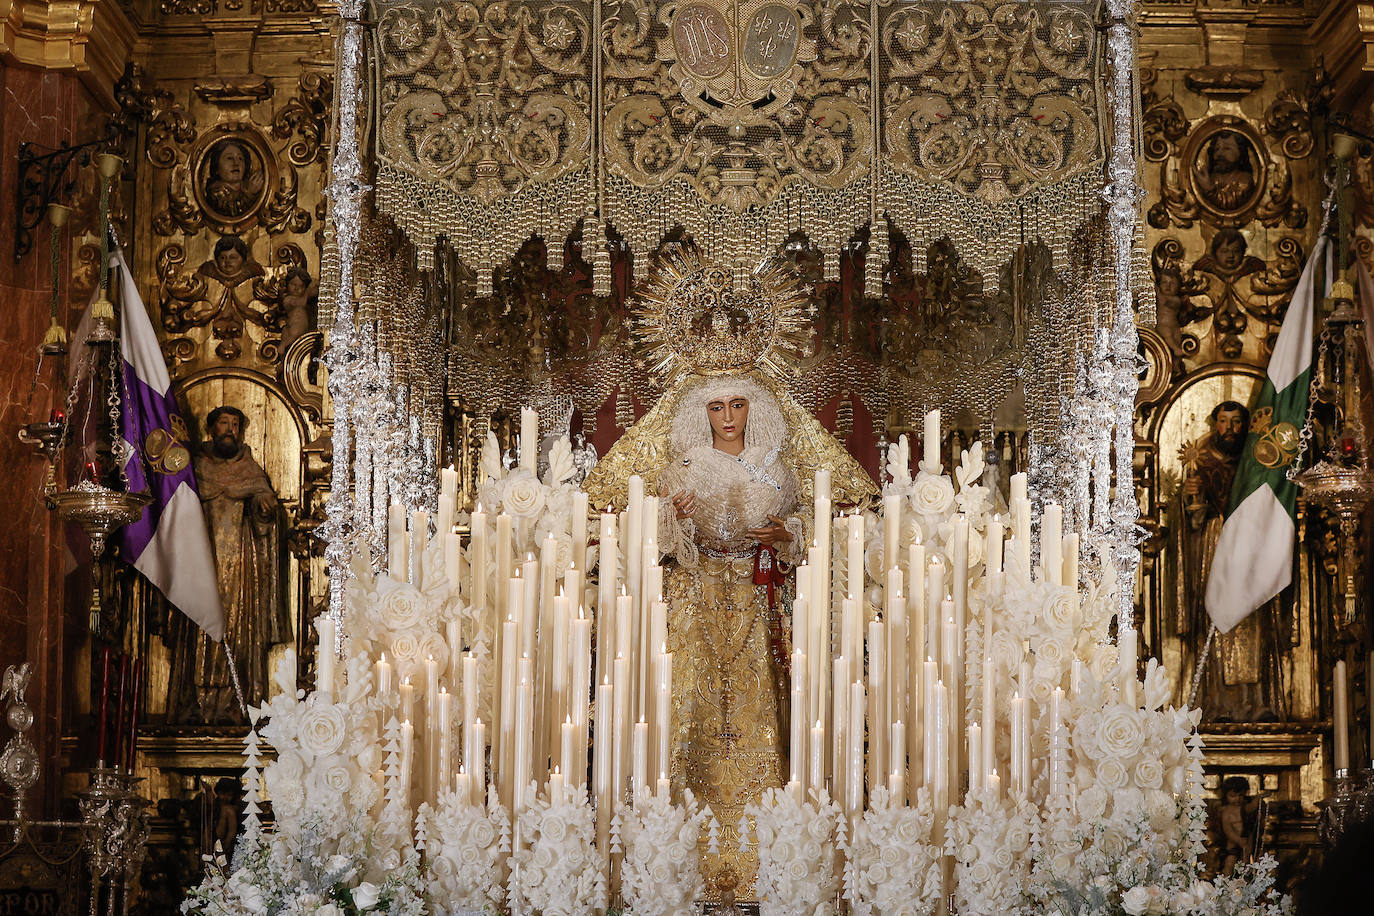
[[995, 784], [445, 709], [1058, 752], [1018, 778], [929, 745], [854, 779], [634, 533], [839, 718], [663, 716], [1126, 644], [1024, 750], [524, 736], [477, 765], [892, 522], [992, 564], [930, 443], [453, 559], [897, 647], [661, 790], [620, 728], [935, 596], [975, 757], [505, 565], [942, 743], [1052, 544], [419, 541], [407, 699], [324, 654], [579, 531], [818, 755], [397, 563], [797, 725], [448, 501], [851, 640], [477, 560], [557, 793], [529, 439], [639, 756], [1071, 560], [854, 580], [407, 760], [1018, 487], [878, 723], [898, 789], [454, 666], [463, 787], [383, 676], [603, 751], [569, 757], [903, 459], [989, 710], [1340, 718]]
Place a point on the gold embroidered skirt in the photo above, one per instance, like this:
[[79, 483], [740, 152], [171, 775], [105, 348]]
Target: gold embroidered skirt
[[728, 736]]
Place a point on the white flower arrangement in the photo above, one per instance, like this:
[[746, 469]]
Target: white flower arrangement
[[661, 873], [892, 864], [539, 508], [990, 838], [798, 866], [556, 869], [465, 855]]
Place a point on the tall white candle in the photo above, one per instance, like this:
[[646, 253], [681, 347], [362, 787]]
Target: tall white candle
[[818, 756], [524, 737], [448, 501], [620, 727], [477, 765], [797, 724], [634, 533], [840, 718], [1058, 750], [407, 691], [1052, 543], [1018, 777], [407, 760], [935, 596], [383, 676], [505, 564], [477, 563], [992, 563], [663, 717], [529, 439], [942, 745], [1340, 718], [930, 443], [897, 646], [854, 779], [1126, 645], [445, 716], [1071, 560], [892, 526], [854, 568], [419, 540], [1018, 487], [898, 789], [975, 757], [579, 529], [879, 726], [569, 757], [640, 755], [989, 711], [603, 750], [453, 559], [930, 744]]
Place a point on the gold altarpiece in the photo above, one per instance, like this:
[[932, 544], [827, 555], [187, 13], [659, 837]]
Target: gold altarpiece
[[479, 264]]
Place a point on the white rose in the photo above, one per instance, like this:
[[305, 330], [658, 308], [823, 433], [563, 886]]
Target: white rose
[[405, 649], [909, 532], [335, 775], [1111, 774], [1118, 733], [432, 645], [1136, 901], [1051, 652], [322, 729], [1149, 773], [932, 496], [366, 895], [402, 605], [1060, 610], [523, 496], [553, 828], [329, 909]]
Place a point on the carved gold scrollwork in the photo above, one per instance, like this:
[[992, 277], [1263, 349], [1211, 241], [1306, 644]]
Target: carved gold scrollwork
[[1226, 174], [994, 101], [306, 118], [486, 98]]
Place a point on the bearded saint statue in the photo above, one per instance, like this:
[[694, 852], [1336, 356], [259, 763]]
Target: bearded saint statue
[[732, 457]]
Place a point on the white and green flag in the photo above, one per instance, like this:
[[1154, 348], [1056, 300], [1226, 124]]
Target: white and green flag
[[1254, 555]]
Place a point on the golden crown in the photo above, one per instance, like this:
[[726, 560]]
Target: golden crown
[[708, 319]]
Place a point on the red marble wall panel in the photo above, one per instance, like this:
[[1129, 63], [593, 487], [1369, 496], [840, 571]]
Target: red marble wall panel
[[43, 108]]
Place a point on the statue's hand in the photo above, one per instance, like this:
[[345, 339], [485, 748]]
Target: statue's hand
[[263, 506], [685, 502], [775, 533]]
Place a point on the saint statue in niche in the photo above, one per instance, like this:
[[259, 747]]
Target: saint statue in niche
[[246, 527], [232, 180], [1240, 679], [731, 455], [1224, 173]]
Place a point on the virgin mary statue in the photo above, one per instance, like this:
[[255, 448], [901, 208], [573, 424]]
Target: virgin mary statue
[[732, 457]]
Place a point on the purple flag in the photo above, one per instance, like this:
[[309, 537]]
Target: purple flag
[[169, 544]]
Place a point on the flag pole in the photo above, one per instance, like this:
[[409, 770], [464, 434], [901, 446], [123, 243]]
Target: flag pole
[[1201, 664]]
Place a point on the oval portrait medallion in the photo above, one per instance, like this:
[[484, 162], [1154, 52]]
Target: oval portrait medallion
[[770, 41], [703, 41]]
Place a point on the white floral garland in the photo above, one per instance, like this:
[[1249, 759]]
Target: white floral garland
[[990, 838], [661, 874], [556, 869], [797, 843], [465, 855], [892, 864]]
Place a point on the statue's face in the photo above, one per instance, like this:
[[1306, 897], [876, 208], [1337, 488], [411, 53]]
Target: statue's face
[[295, 286], [1228, 429], [229, 261], [728, 417], [225, 435], [1226, 151], [1230, 253], [231, 164]]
